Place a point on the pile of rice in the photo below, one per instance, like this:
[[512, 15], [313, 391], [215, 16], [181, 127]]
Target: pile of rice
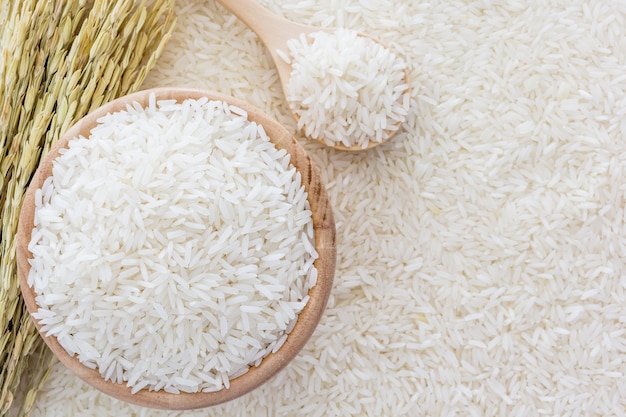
[[173, 248], [345, 89], [482, 251]]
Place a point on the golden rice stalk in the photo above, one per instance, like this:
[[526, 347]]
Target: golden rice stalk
[[59, 59]]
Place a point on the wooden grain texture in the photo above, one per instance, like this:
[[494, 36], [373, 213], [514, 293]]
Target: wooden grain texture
[[275, 31], [323, 223]]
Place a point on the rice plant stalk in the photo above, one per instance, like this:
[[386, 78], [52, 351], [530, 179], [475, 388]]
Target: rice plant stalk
[[59, 59]]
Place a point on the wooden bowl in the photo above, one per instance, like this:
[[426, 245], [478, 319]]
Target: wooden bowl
[[308, 319]]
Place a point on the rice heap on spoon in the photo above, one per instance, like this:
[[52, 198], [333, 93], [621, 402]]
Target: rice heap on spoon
[[345, 89], [173, 248]]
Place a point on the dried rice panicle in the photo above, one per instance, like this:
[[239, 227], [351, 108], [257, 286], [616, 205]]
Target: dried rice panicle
[[59, 60]]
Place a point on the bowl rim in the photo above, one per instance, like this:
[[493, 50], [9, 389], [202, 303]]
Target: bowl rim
[[325, 244]]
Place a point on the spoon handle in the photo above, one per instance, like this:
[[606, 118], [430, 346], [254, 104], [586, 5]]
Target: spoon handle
[[274, 30]]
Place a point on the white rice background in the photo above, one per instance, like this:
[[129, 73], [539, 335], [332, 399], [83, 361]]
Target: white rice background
[[481, 252]]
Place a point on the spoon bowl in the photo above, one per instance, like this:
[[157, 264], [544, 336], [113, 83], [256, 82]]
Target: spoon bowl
[[275, 31], [323, 225]]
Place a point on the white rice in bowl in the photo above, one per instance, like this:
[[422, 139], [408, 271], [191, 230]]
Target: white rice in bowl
[[345, 89], [173, 249]]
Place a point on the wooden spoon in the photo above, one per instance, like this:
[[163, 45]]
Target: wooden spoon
[[275, 31], [323, 224]]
